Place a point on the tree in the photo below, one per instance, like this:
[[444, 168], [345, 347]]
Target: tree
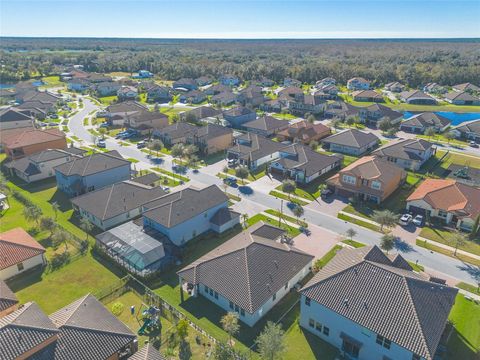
[[230, 325], [156, 145], [336, 123], [3, 183], [298, 212], [384, 124], [177, 150], [225, 169], [450, 135], [182, 329], [242, 173], [47, 223], [384, 218], [102, 132], [311, 119], [271, 342], [351, 233], [189, 150], [314, 145], [86, 225], [458, 239], [387, 242], [350, 120], [392, 131], [60, 236], [55, 208], [430, 131], [475, 227], [32, 213], [289, 187], [358, 120], [245, 219]]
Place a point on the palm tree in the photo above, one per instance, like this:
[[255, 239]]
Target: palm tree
[[384, 218], [32, 213], [86, 225], [458, 240], [288, 186], [230, 325], [298, 212], [55, 208], [387, 242], [244, 219]]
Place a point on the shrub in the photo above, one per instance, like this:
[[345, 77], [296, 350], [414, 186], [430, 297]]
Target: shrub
[[117, 308]]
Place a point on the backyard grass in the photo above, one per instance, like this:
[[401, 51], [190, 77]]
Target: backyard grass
[[286, 217], [284, 196], [292, 231], [52, 81], [444, 236], [468, 287], [359, 222], [108, 100], [284, 116], [461, 257]]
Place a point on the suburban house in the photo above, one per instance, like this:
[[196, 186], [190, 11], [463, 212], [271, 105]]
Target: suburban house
[[351, 142], [185, 214], [43, 97], [19, 252], [217, 89], [64, 334], [468, 87], [79, 85], [314, 104], [204, 80], [340, 110], [143, 74], [252, 150], [265, 82], [37, 109], [239, 115], [202, 112], [302, 164], [11, 118], [30, 141], [193, 97], [115, 204], [461, 98], [464, 174], [116, 114], [419, 123], [372, 306], [327, 92], [451, 201], [8, 300], [224, 98], [82, 175], [394, 87], [127, 93], [274, 105], [229, 80], [108, 88], [367, 95], [417, 97], [212, 138], [251, 95], [98, 78], [468, 130], [358, 83], [291, 93], [41, 165], [287, 82], [304, 132], [369, 179], [159, 94], [249, 274], [175, 133], [185, 84], [409, 154], [325, 82], [373, 114], [266, 126], [145, 122], [434, 88]]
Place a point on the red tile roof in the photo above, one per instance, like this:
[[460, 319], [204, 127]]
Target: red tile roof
[[17, 245]]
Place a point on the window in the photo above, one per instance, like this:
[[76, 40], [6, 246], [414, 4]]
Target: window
[[442, 213], [326, 331], [206, 289], [416, 357], [237, 308], [376, 185], [20, 266], [231, 305], [286, 286], [318, 327], [274, 297], [307, 301], [311, 323], [210, 291], [383, 342], [349, 179], [216, 295], [242, 312]]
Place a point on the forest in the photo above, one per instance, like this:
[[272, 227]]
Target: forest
[[412, 62]]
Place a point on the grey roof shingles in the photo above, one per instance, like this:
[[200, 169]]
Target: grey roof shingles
[[404, 149], [92, 164], [352, 137], [304, 158], [253, 147], [427, 119], [266, 123], [148, 352]]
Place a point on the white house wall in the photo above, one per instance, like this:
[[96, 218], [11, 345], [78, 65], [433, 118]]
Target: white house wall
[[27, 264]]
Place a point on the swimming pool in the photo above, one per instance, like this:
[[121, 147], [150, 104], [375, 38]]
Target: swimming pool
[[455, 118]]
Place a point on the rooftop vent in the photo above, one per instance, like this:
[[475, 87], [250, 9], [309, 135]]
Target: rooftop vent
[[345, 302]]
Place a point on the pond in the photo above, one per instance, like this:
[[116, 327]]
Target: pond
[[455, 118]]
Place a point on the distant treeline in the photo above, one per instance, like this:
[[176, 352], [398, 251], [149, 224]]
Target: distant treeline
[[412, 62]]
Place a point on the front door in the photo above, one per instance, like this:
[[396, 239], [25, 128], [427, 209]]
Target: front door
[[351, 350]]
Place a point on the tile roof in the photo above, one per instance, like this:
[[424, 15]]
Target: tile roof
[[31, 137], [266, 123], [116, 199], [92, 164], [304, 131], [148, 352], [238, 111], [469, 126], [304, 158], [352, 138], [449, 195], [364, 286], [180, 206], [7, 297], [17, 245], [466, 86], [247, 269], [427, 119], [253, 147], [461, 95], [404, 149]]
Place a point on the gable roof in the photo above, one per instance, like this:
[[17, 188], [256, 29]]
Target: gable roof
[[95, 163], [148, 352], [125, 107], [7, 297], [252, 147], [364, 286], [11, 115], [374, 168], [404, 149], [461, 95], [238, 111], [29, 137], [352, 138], [449, 195], [415, 94], [176, 208], [247, 269], [266, 123], [116, 199], [469, 126], [178, 130], [304, 131], [466, 86], [385, 111], [212, 131], [367, 94], [427, 119], [204, 112], [16, 245], [304, 158]]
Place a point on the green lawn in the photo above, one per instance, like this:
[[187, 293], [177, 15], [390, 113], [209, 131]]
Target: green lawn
[[353, 243], [284, 116], [171, 174], [291, 219], [320, 263], [416, 267], [447, 252], [444, 236], [286, 197], [468, 287], [52, 81], [292, 231], [359, 222], [108, 100]]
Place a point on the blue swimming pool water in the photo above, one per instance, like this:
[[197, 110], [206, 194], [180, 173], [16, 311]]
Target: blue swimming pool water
[[455, 118]]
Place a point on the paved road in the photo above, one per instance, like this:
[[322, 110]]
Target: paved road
[[259, 201]]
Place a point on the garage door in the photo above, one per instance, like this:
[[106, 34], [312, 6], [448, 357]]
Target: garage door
[[415, 210]]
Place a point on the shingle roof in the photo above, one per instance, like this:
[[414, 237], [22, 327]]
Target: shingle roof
[[247, 269], [145, 115], [178, 130], [466, 86], [27, 165], [7, 297], [92, 164], [178, 207], [449, 195], [23, 330], [364, 286], [147, 179], [352, 137], [304, 158], [12, 114], [116, 199], [461, 95], [126, 107], [385, 111], [223, 215], [204, 111], [404, 149], [415, 93], [17, 245], [266, 123], [211, 131], [427, 119], [469, 126], [367, 94], [304, 131], [238, 111], [31, 137], [253, 147], [148, 352]]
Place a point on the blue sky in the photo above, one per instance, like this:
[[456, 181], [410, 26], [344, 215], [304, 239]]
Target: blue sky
[[241, 19]]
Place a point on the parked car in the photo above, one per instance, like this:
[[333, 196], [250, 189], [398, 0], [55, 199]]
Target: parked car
[[405, 219], [101, 144], [166, 189], [53, 116], [325, 193], [418, 220], [104, 125], [141, 144], [230, 181], [473, 144]]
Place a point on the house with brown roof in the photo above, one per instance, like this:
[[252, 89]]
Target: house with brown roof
[[367, 95], [372, 306], [468, 130], [369, 178], [461, 98], [249, 274], [266, 125], [420, 122], [145, 122], [116, 114], [373, 114], [304, 132], [453, 202], [468, 87], [30, 141], [409, 154], [19, 252], [351, 142], [417, 97], [8, 300]]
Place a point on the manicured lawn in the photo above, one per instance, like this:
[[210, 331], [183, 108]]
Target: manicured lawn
[[171, 174], [359, 222], [447, 252], [468, 287], [320, 263], [464, 342], [132, 160], [353, 243], [52, 81], [284, 116], [292, 231], [107, 100], [444, 236], [416, 267], [285, 197], [291, 219]]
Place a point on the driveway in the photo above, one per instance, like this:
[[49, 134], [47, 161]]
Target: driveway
[[407, 233], [330, 206], [318, 243]]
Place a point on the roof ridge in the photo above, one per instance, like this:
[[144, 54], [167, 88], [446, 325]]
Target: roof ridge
[[108, 202], [22, 245], [98, 330], [249, 288], [80, 302]]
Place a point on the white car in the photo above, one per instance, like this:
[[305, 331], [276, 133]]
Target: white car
[[418, 220], [405, 219]]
